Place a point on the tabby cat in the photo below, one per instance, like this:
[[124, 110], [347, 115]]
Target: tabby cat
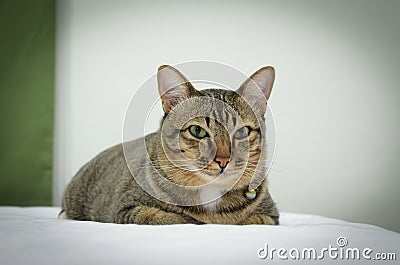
[[195, 169]]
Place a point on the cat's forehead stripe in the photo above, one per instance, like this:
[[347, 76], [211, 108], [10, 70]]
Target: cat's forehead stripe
[[222, 114], [208, 121]]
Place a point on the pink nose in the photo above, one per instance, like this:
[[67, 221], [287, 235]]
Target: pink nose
[[222, 161]]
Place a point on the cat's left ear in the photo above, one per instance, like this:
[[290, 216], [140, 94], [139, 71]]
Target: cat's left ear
[[257, 88], [173, 87]]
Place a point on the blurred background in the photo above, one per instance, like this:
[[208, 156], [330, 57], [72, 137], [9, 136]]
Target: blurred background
[[69, 68]]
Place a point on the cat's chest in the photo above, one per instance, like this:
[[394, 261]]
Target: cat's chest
[[214, 199], [210, 198]]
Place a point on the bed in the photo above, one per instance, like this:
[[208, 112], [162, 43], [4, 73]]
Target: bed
[[34, 235]]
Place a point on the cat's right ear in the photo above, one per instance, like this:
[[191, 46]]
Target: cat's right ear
[[257, 88], [173, 87]]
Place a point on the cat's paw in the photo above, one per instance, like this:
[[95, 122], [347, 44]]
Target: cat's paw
[[258, 219], [153, 216]]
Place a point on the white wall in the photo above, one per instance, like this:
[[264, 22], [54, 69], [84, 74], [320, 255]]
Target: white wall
[[335, 100]]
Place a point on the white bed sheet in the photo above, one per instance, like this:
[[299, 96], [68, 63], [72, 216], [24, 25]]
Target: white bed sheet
[[34, 235]]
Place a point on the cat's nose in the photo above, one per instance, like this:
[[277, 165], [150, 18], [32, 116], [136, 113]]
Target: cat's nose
[[222, 161]]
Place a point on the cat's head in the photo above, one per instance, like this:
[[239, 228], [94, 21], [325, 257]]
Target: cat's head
[[213, 135]]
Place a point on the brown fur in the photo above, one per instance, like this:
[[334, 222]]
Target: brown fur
[[106, 189]]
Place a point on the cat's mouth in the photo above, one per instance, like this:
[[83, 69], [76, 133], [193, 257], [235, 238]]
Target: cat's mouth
[[221, 174], [226, 171], [214, 172], [218, 172]]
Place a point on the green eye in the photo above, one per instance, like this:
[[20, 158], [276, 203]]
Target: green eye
[[242, 133], [197, 131]]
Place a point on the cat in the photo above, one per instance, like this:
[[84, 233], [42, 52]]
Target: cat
[[152, 186]]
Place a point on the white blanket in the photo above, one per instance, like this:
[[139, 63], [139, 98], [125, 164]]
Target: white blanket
[[34, 235]]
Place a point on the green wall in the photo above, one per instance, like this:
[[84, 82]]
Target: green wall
[[27, 43]]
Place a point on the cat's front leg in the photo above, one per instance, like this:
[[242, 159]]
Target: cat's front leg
[[258, 219], [152, 216]]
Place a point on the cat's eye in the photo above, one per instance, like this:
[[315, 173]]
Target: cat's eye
[[197, 131], [242, 133]]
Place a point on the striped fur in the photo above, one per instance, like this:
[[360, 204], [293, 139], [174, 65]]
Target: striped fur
[[106, 189]]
